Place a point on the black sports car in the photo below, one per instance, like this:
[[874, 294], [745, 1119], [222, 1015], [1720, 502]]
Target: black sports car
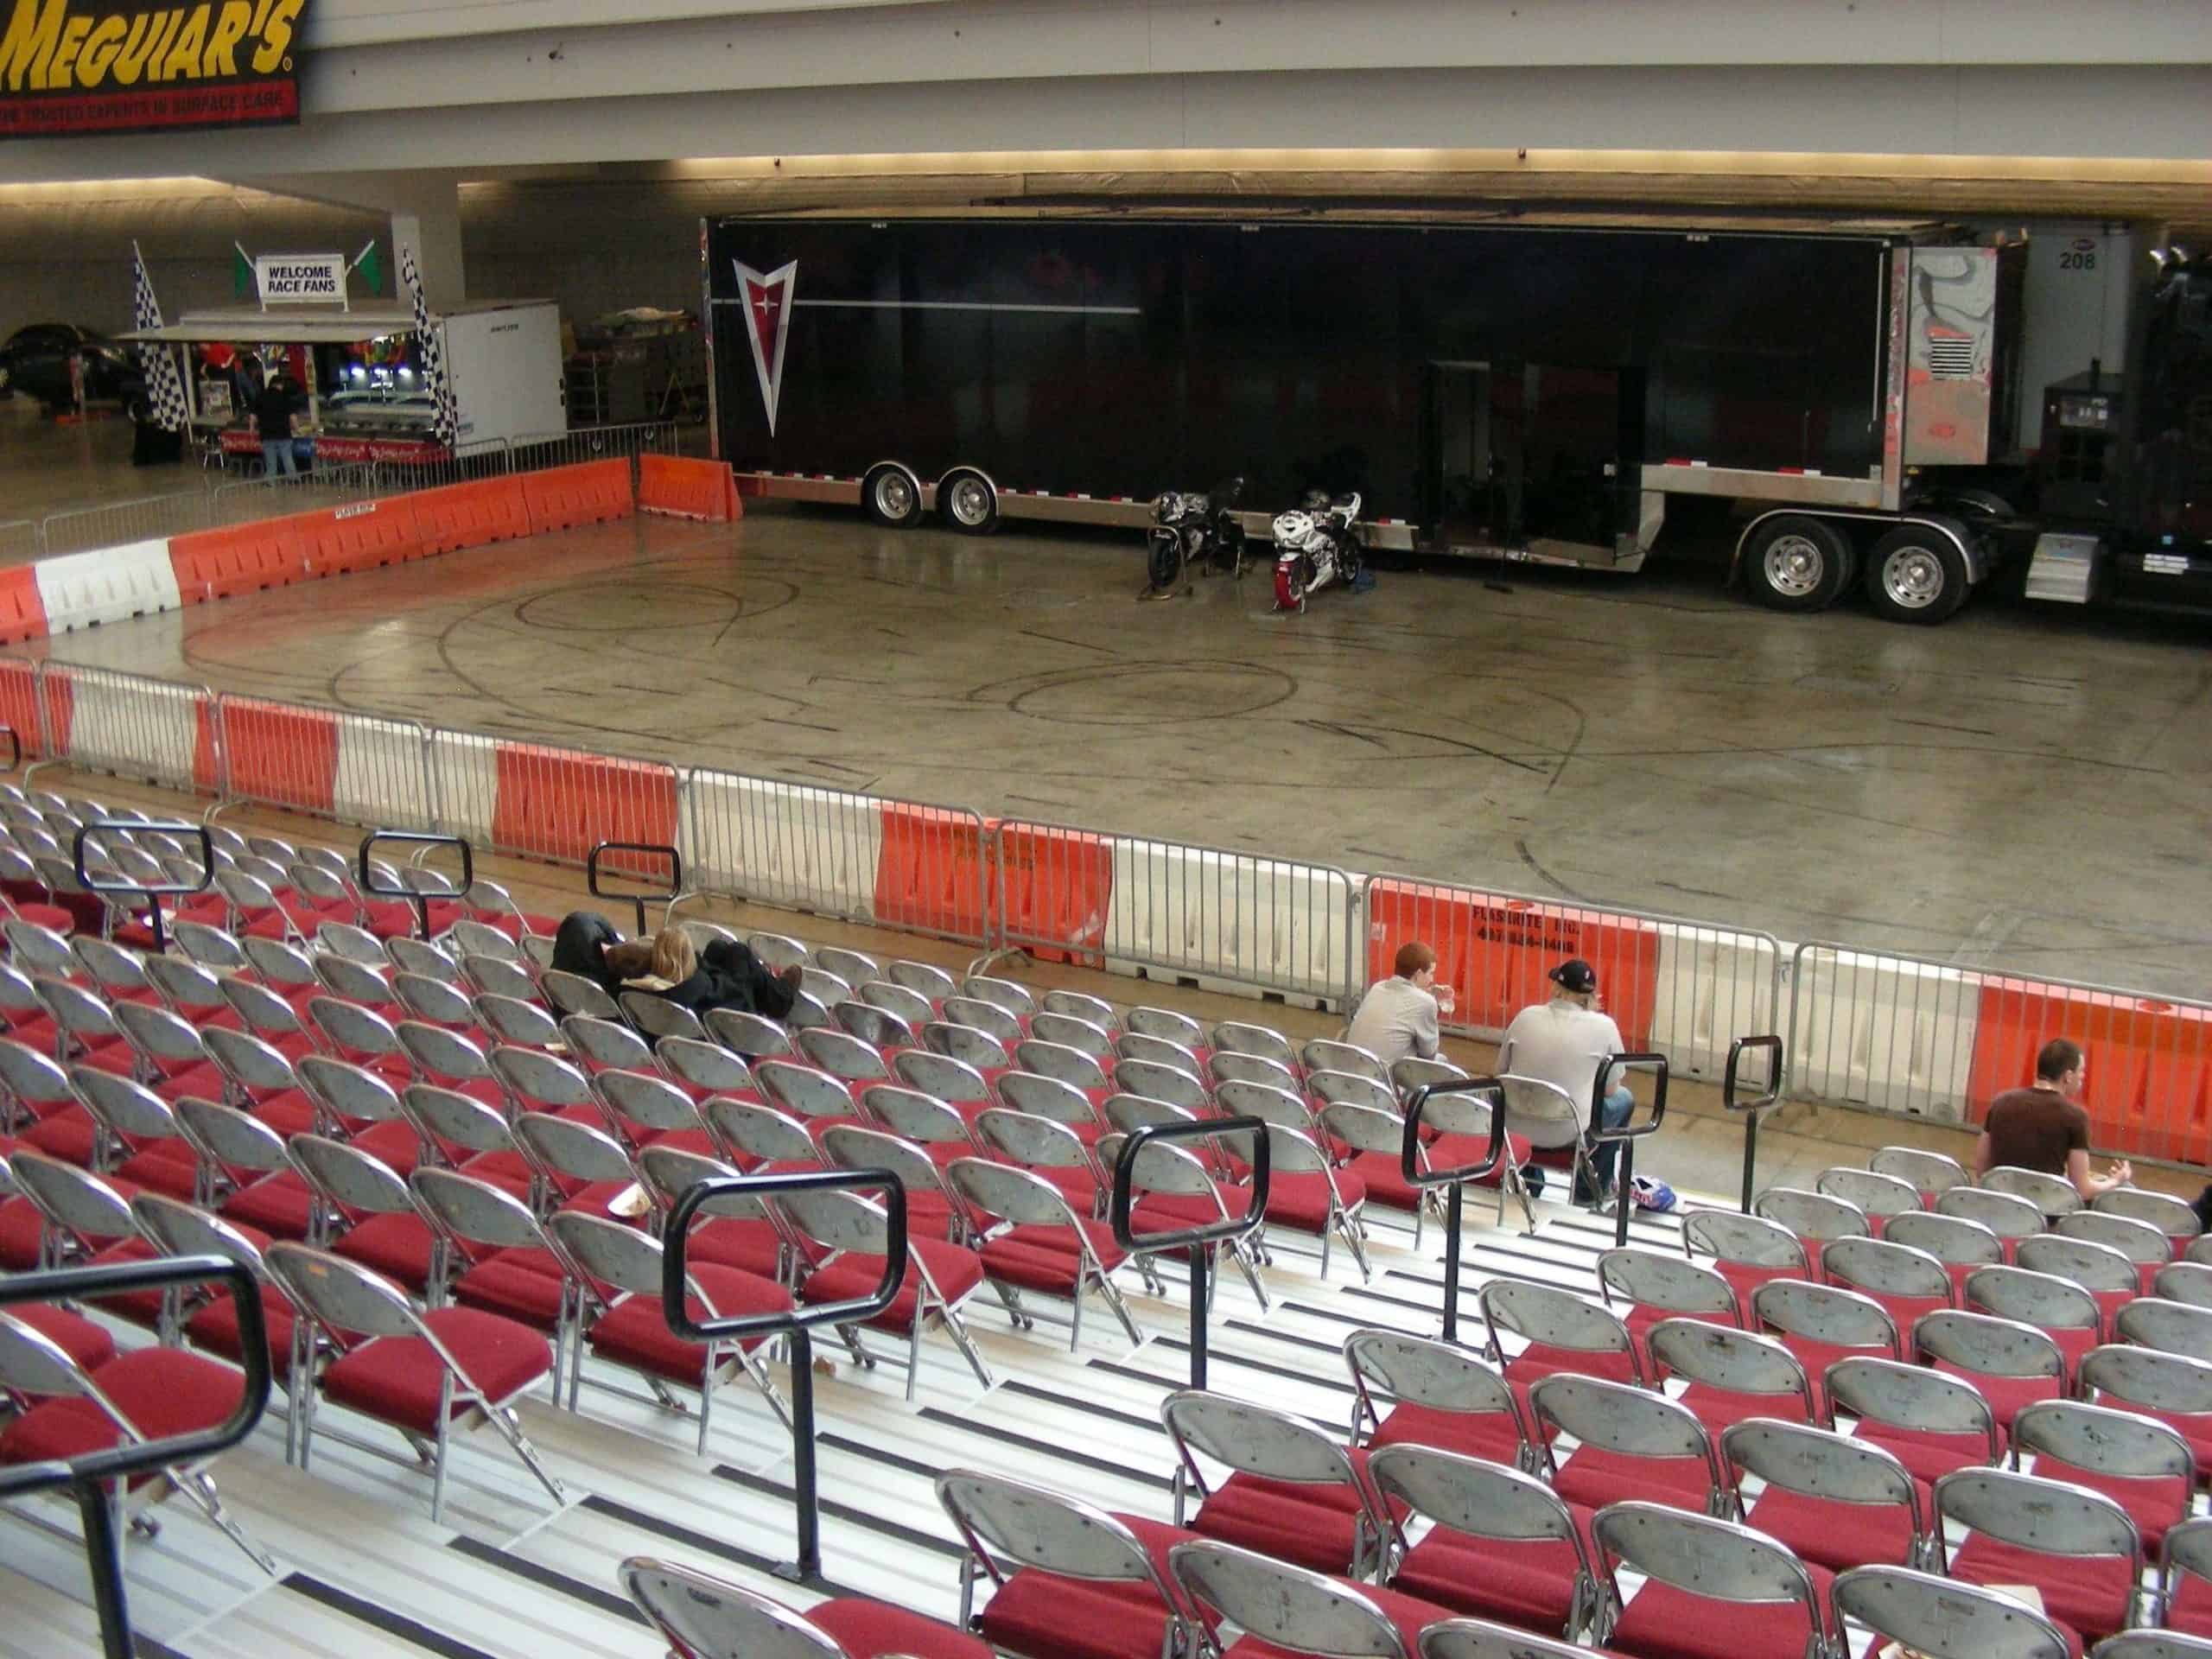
[[36, 361]]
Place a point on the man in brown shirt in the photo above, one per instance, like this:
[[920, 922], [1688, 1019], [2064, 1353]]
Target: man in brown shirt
[[2046, 1127]]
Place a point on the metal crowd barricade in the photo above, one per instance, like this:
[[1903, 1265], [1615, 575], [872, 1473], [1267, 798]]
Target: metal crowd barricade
[[19, 541], [1201, 1239], [329, 763], [1453, 1180], [116, 523], [548, 802], [797, 1325], [274, 497], [155, 731], [1682, 988], [535, 451], [90, 1474], [465, 464], [1195, 914], [129, 890]]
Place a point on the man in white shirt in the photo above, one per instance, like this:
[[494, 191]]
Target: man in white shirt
[[1563, 1042], [1398, 1017]]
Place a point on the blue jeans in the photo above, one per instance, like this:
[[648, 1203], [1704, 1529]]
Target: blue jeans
[[1612, 1112], [276, 457]]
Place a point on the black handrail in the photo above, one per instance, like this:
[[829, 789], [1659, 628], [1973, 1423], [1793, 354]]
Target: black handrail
[[129, 890], [660, 850], [796, 1324], [1629, 1132], [1752, 1110], [420, 900], [1202, 1239], [1455, 1181], [90, 1473]]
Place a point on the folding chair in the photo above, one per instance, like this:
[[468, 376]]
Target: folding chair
[[2184, 1592], [921, 977], [429, 961], [435, 1002], [1054, 1152], [1712, 1589], [2138, 1240], [2059, 1308], [1032, 1095], [1931, 1423], [1559, 1331], [2175, 1217], [496, 976], [1552, 1122], [1158, 1050], [1838, 1502], [1095, 1009], [760, 1137], [815, 1098], [147, 1395], [940, 1276], [572, 994], [1324, 1055], [910, 1008], [244, 1173], [1822, 1324], [1633, 1443], [852, 1059], [955, 1082], [2076, 1546], [1445, 1397], [341, 938], [971, 1014], [422, 1374], [449, 1059], [1731, 1374], [2139, 1463], [2154, 1644], [925, 1120], [705, 1067], [537, 1081], [658, 1017], [2012, 1364], [1067, 1580], [1746, 1251], [130, 1115], [2187, 1282], [999, 992], [1227, 1065], [1503, 1544], [1927, 1614], [212, 1323], [736, 1231], [367, 1205], [634, 1334], [2009, 1216], [2172, 1327], [1291, 1493], [818, 991], [1376, 1141], [1815, 1218], [2106, 1274], [1306, 1194], [777, 951], [704, 1617], [520, 1272], [1876, 1196], [1064, 1065], [1907, 1282], [1285, 1609], [580, 1162], [1171, 1192], [605, 1045], [646, 1109], [2051, 1194], [750, 1036], [1414, 1072], [362, 1106], [1478, 1638], [1645, 1287], [189, 991], [1047, 1248], [1269, 1044], [2173, 1389], [932, 1212]]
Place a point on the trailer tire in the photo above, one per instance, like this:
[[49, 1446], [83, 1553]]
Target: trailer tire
[[891, 495], [1916, 574], [967, 501], [1796, 562]]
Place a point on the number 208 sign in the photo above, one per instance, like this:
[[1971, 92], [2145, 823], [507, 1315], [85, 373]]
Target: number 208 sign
[[84, 67]]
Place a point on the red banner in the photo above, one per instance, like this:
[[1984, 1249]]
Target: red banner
[[70, 68], [242, 441]]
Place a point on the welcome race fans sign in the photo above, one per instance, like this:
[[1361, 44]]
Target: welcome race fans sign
[[77, 66]]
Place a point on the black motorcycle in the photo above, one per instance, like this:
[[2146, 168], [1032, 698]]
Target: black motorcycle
[[1188, 529]]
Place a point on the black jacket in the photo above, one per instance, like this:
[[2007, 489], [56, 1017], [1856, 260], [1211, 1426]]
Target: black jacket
[[730, 976], [274, 408], [578, 948]]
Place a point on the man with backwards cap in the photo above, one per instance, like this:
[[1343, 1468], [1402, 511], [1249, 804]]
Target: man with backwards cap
[[1563, 1042]]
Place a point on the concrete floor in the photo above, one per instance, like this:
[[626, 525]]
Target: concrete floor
[[2024, 789]]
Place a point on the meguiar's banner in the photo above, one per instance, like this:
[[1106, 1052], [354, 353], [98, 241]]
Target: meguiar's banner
[[79, 67]]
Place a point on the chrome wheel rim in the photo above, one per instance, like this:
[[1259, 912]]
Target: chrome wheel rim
[[1795, 566], [894, 496], [1912, 577], [972, 501]]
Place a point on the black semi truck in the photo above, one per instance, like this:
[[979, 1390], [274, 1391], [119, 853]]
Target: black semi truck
[[1537, 393]]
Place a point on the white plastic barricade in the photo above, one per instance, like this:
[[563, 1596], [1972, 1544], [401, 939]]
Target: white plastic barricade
[[1714, 985], [132, 727], [789, 845], [382, 776], [1882, 1032], [1231, 921], [109, 585], [464, 784]]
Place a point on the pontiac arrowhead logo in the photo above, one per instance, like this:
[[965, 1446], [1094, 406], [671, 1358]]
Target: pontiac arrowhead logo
[[768, 326]]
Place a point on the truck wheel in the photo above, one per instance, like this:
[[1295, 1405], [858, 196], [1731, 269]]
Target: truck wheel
[[891, 496], [966, 501], [1797, 563], [1916, 576]]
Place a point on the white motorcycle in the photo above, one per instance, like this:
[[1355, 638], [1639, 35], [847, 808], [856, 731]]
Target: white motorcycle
[[1315, 545]]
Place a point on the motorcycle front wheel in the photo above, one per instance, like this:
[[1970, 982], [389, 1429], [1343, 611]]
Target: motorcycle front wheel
[[1164, 566], [1228, 546]]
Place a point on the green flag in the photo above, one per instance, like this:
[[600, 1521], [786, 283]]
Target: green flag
[[241, 276], [371, 265]]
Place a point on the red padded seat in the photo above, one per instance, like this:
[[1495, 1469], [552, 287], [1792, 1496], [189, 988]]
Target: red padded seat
[[1047, 1259], [215, 1327], [1528, 1584], [1837, 1535], [280, 1205], [955, 1269], [1928, 1456], [635, 1332], [396, 1379], [2089, 1595], [1308, 1525], [2007, 1395], [1594, 1477], [1042, 1615], [873, 1630], [1661, 1621], [86, 1343], [163, 1391], [1491, 1435]]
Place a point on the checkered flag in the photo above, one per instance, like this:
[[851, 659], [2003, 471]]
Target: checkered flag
[[164, 386], [447, 422]]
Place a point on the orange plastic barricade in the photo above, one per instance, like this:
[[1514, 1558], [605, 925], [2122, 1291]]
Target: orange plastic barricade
[[359, 536], [240, 559], [19, 701], [2150, 1086], [22, 614], [591, 492], [1495, 952], [470, 515], [1055, 887], [929, 874], [559, 804], [275, 753], [687, 489]]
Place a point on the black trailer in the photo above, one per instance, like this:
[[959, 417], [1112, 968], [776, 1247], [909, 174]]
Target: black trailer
[[1528, 392]]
